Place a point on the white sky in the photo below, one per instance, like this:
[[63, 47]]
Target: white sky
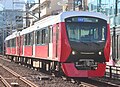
[[8, 4]]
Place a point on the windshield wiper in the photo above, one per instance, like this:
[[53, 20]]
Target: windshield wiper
[[96, 43], [84, 42]]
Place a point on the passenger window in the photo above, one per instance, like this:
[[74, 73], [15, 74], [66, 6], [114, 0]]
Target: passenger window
[[96, 33], [44, 36], [38, 37], [50, 34], [103, 33]]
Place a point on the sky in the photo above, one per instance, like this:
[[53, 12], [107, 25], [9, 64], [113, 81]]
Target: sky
[[8, 4]]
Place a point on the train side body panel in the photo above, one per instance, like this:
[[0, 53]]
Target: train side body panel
[[41, 51], [107, 45], [8, 50], [65, 47], [28, 51]]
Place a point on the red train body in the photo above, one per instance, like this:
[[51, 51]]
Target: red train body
[[78, 43]]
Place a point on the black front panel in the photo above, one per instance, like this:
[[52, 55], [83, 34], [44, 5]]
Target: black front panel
[[87, 51]]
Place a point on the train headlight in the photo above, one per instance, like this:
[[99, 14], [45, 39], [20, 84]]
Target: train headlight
[[73, 52], [100, 53]]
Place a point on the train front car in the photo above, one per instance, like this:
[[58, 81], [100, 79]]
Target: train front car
[[86, 43]]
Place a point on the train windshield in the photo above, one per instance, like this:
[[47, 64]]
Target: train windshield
[[86, 29]]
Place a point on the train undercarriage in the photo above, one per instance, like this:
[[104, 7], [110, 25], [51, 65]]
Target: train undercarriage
[[82, 68]]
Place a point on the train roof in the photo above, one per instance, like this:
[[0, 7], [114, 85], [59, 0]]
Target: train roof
[[53, 19], [82, 13], [67, 14], [60, 18], [13, 35]]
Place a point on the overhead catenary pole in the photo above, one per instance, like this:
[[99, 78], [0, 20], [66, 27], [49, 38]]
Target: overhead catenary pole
[[114, 32]]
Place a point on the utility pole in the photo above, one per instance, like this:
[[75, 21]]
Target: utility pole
[[114, 32], [3, 33], [98, 5], [73, 5], [39, 9]]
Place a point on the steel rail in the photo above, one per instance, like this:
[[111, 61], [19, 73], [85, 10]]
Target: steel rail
[[31, 84], [84, 84], [5, 82]]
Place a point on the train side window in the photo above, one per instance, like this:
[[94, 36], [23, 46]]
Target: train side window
[[29, 39], [38, 37], [8, 43], [50, 28], [13, 42], [44, 36], [57, 33], [103, 33], [25, 39], [96, 33]]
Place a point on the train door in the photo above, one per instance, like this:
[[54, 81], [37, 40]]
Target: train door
[[33, 43], [21, 45], [55, 40], [50, 45], [18, 45]]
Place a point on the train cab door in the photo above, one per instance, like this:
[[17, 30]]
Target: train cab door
[[55, 40], [118, 47], [50, 45]]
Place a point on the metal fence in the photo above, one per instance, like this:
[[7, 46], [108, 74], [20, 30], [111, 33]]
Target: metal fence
[[113, 72]]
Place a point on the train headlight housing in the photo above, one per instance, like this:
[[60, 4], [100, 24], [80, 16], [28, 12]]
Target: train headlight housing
[[74, 52], [100, 53]]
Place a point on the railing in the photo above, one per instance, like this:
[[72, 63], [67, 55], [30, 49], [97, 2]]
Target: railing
[[113, 72]]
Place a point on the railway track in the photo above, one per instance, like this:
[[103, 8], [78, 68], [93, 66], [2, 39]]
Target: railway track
[[58, 82], [3, 82], [14, 78], [90, 82]]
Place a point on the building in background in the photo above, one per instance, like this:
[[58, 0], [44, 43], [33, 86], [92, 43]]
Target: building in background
[[106, 7], [10, 19], [112, 9], [44, 8]]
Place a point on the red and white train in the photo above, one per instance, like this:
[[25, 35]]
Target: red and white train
[[76, 43]]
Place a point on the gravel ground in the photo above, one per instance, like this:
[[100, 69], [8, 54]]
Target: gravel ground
[[34, 76], [1, 84], [50, 81], [11, 78]]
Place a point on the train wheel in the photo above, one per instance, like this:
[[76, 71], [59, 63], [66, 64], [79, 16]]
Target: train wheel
[[52, 68], [48, 66], [11, 58]]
